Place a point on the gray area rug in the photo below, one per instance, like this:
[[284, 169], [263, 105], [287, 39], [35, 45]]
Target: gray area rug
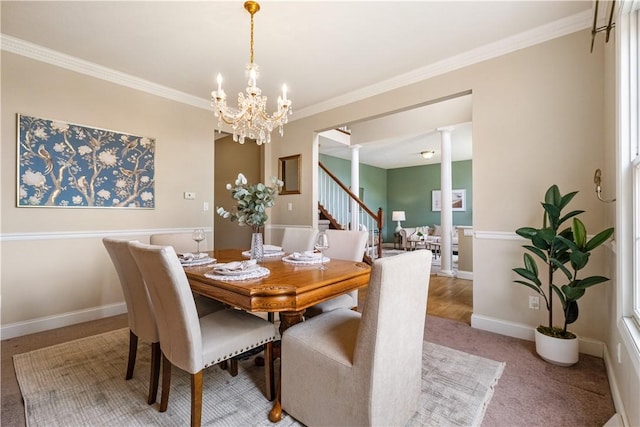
[[81, 383]]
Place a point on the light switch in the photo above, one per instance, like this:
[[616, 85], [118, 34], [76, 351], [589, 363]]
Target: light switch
[[205, 206], [290, 206]]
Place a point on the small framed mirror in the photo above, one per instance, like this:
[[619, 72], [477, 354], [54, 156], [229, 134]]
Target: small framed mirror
[[289, 173]]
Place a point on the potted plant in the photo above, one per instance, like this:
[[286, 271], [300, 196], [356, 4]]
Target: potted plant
[[252, 202], [566, 251]]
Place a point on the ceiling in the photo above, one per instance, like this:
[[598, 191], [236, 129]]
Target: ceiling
[[328, 53]]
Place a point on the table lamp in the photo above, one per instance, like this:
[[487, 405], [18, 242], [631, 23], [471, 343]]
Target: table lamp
[[398, 216]]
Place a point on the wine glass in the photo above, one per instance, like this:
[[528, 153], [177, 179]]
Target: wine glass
[[198, 236], [322, 243]]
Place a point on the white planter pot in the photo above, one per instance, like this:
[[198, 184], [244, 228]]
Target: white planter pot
[[558, 351]]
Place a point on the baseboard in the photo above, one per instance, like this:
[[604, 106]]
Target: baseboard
[[466, 275], [65, 319], [518, 330], [502, 327], [620, 418]]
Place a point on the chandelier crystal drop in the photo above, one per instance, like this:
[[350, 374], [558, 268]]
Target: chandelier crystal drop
[[250, 119]]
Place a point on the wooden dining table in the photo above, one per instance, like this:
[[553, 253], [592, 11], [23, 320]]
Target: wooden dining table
[[289, 289]]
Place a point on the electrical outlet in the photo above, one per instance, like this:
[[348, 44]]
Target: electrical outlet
[[534, 303]]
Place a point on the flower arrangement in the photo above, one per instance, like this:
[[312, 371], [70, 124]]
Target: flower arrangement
[[252, 202]]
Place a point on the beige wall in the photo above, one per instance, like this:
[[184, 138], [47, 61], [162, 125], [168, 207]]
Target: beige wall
[[46, 273], [537, 120], [233, 158]]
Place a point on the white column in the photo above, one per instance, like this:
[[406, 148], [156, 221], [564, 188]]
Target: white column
[[355, 185], [446, 214]]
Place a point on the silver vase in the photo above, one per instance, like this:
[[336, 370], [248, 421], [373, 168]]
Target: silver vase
[[257, 247]]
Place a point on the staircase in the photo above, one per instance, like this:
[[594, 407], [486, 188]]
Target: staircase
[[334, 210]]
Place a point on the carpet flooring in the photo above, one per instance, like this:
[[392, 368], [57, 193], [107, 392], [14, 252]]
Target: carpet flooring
[[81, 383]]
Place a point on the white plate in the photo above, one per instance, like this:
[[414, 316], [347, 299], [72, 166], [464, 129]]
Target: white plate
[[224, 272], [269, 254], [200, 261]]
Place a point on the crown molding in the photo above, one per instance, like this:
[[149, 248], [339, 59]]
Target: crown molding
[[49, 56], [516, 42], [519, 41]]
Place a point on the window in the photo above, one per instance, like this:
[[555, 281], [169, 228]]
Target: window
[[630, 98], [628, 233]]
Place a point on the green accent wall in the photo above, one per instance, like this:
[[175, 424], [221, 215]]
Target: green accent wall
[[410, 191], [406, 189]]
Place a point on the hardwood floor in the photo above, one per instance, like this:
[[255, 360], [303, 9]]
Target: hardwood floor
[[449, 298]]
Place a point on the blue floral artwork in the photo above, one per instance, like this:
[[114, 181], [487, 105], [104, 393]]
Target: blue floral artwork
[[67, 165]]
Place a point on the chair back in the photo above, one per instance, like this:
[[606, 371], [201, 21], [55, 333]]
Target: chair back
[[181, 242], [175, 309], [298, 239], [345, 244], [142, 319], [388, 349]]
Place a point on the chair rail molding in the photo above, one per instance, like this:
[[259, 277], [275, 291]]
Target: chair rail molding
[[92, 234]]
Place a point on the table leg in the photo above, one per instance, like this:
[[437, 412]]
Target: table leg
[[287, 319]]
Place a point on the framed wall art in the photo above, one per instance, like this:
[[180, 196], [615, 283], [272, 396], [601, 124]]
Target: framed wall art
[[69, 165], [458, 200]]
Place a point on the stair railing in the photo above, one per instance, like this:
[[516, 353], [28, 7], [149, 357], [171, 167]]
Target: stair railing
[[334, 202]]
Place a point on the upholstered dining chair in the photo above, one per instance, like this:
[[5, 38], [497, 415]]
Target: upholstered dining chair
[[344, 368], [343, 244], [142, 320], [191, 343], [298, 239], [140, 314], [181, 242]]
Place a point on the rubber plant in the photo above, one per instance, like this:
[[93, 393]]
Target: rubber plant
[[561, 250]]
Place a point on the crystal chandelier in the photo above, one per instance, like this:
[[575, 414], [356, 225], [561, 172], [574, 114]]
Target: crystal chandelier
[[250, 119]]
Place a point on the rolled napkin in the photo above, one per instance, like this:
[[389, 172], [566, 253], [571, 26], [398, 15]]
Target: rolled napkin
[[272, 248], [188, 256], [237, 266], [306, 255]]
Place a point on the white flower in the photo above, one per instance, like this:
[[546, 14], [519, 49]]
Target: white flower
[[33, 200], [23, 192], [59, 147], [146, 196], [84, 149], [60, 127], [121, 183], [144, 179], [132, 205], [35, 179], [64, 203], [241, 180], [77, 200], [40, 133], [107, 158], [105, 194], [116, 201], [145, 142], [124, 138]]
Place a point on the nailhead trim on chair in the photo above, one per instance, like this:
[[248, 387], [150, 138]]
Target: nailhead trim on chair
[[235, 353]]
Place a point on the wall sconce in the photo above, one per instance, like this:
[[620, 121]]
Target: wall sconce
[[398, 216], [427, 154], [597, 179]]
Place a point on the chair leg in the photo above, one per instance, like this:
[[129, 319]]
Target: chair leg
[[233, 367], [155, 372], [166, 383], [196, 399], [133, 349], [268, 370]]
